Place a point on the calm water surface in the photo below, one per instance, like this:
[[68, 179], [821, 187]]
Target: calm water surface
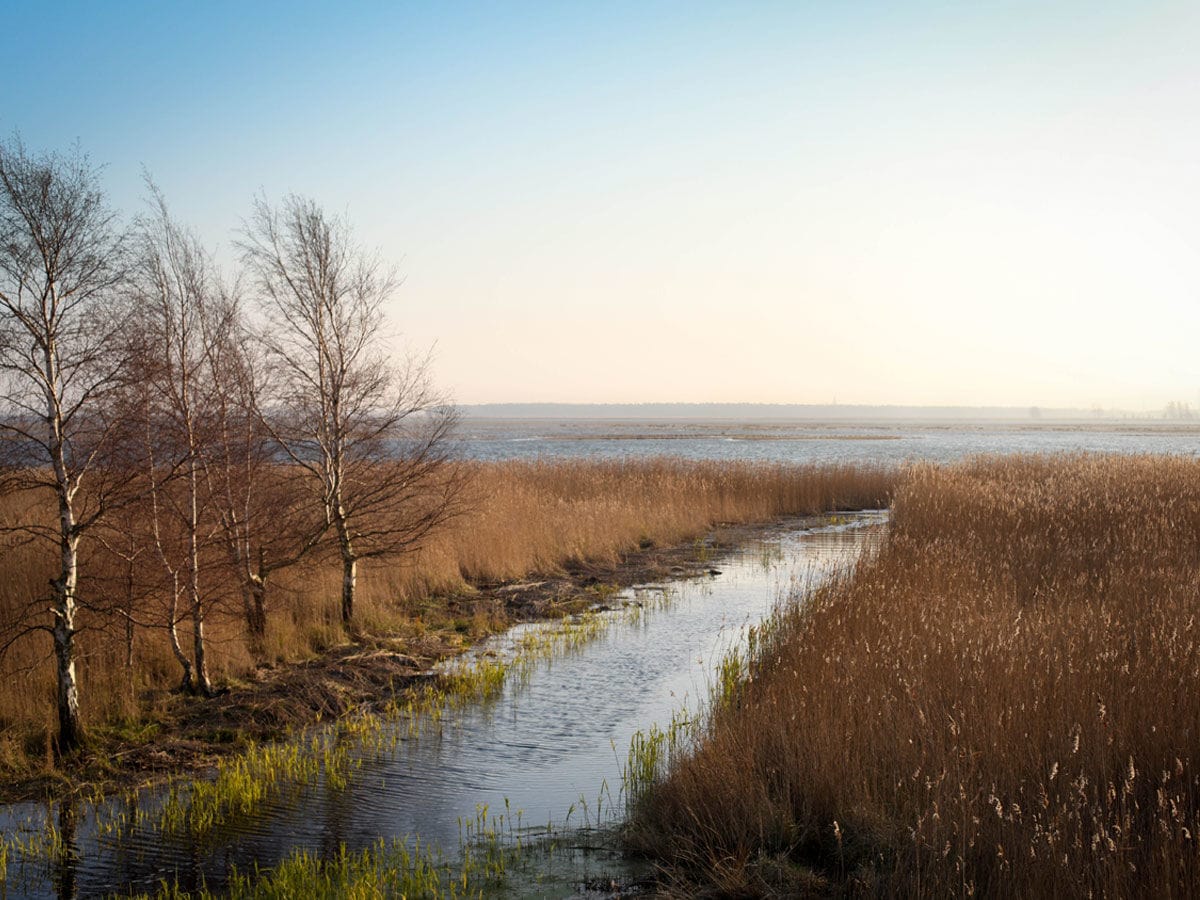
[[551, 746], [887, 442]]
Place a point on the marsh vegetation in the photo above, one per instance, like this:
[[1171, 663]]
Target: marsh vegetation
[[1000, 702]]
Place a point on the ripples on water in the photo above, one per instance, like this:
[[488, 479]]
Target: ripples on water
[[551, 745]]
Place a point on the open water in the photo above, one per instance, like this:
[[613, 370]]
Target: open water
[[889, 442]]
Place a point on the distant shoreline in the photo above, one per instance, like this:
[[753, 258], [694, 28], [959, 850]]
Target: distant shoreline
[[785, 413], [700, 425]]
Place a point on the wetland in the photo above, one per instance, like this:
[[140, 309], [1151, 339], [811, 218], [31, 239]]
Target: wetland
[[505, 769]]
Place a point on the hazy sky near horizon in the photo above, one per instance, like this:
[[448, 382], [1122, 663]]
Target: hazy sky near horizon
[[919, 203]]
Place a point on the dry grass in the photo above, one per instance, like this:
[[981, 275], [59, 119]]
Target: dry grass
[[1004, 703], [524, 518]]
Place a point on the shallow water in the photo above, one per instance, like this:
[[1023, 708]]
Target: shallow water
[[549, 748], [807, 442]]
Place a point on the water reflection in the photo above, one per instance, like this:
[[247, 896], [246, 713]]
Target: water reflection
[[68, 851]]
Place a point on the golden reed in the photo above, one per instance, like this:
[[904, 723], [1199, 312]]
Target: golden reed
[[1004, 702]]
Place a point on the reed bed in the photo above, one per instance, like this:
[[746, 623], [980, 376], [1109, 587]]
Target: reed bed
[[520, 518], [536, 516], [1003, 702]]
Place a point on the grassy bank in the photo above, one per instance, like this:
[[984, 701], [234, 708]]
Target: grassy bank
[[1005, 702], [522, 520]]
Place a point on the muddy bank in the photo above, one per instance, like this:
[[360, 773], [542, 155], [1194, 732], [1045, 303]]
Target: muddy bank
[[187, 735]]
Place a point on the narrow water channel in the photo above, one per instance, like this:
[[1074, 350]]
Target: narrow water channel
[[547, 750]]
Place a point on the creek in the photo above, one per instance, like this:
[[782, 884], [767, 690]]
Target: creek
[[541, 758]]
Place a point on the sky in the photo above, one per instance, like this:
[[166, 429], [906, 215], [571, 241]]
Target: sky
[[909, 203]]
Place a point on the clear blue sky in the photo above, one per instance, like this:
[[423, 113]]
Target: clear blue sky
[[900, 202]]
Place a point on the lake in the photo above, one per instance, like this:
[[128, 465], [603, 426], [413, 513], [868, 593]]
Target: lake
[[809, 442]]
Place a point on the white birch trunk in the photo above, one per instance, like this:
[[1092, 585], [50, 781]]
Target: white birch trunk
[[70, 725]]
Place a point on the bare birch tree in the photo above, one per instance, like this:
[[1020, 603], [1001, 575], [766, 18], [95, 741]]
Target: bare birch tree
[[182, 316], [61, 266], [370, 435], [266, 521]]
